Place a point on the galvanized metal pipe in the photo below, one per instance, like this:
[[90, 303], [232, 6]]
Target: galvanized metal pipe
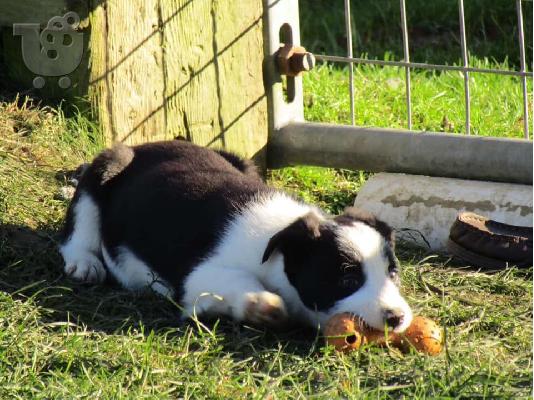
[[406, 47], [521, 37], [465, 59], [391, 150], [348, 32]]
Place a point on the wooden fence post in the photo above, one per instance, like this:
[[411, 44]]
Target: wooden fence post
[[157, 69]]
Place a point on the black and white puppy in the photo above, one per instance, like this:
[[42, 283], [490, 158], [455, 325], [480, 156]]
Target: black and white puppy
[[201, 226]]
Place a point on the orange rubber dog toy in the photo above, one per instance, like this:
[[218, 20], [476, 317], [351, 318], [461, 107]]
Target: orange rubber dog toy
[[347, 332]]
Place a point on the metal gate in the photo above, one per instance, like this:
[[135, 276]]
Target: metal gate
[[296, 142]]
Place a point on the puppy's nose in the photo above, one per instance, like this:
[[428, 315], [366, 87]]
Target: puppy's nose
[[393, 318]]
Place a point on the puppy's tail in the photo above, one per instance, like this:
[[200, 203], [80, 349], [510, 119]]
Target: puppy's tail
[[111, 162], [106, 166]]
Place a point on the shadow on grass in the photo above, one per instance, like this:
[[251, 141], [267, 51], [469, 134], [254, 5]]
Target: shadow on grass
[[32, 271]]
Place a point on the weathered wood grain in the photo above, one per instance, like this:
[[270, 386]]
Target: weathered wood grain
[[213, 54], [242, 99], [191, 96], [157, 69], [98, 88], [132, 95]]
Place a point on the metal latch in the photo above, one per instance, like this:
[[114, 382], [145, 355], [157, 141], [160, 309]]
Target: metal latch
[[294, 60]]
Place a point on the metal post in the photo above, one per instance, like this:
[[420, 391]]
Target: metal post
[[523, 65], [465, 60], [282, 14], [406, 59], [348, 30]]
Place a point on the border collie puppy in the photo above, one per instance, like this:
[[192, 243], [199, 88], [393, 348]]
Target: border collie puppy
[[202, 227]]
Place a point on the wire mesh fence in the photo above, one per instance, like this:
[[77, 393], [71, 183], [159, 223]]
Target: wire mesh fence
[[465, 69]]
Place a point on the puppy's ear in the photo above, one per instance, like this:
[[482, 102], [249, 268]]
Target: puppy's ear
[[303, 229], [351, 214]]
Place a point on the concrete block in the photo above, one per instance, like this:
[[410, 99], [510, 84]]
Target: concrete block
[[430, 205]]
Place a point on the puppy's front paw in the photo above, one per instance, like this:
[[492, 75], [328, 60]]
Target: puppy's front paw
[[87, 268], [265, 308]]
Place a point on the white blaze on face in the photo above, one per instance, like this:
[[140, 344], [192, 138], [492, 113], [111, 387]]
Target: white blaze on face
[[378, 294]]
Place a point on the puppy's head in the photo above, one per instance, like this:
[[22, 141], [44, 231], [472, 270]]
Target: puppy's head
[[344, 264]]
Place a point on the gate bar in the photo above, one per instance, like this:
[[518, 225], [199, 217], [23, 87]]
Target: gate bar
[[465, 59], [406, 49], [391, 150], [414, 65], [348, 30], [523, 65]]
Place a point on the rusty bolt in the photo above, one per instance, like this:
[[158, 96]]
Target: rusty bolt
[[294, 60]]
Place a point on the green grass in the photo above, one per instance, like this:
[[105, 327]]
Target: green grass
[[34, 143], [329, 188], [437, 99], [59, 339]]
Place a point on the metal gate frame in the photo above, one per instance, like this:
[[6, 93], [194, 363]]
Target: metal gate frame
[[295, 142]]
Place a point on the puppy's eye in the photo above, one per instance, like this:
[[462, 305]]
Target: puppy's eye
[[393, 272], [349, 282]]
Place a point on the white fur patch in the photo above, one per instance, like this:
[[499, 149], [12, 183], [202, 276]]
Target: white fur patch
[[234, 272], [134, 274], [82, 249], [214, 290], [378, 293]]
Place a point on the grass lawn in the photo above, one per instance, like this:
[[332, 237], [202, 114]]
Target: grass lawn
[[63, 340], [59, 339], [437, 99]]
